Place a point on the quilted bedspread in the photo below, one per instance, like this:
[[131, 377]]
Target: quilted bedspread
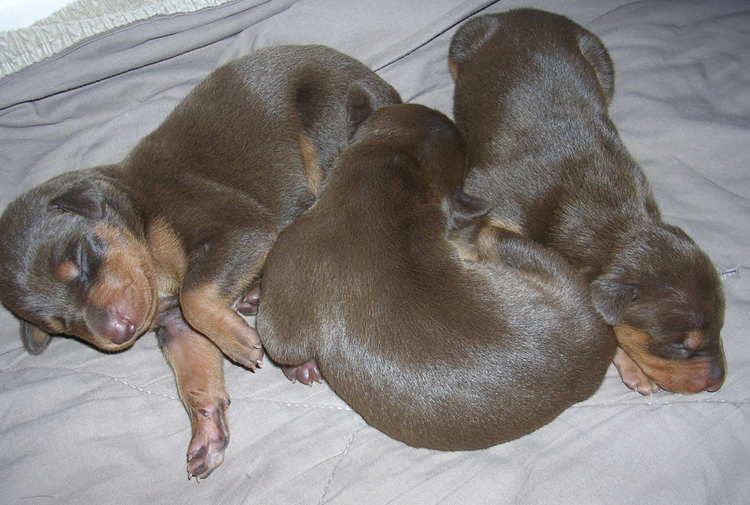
[[81, 426]]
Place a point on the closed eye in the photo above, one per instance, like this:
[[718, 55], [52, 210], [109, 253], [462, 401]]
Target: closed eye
[[85, 255], [81, 260], [680, 351]]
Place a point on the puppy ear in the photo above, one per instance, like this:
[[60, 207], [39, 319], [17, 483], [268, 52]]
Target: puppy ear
[[34, 339], [597, 56], [470, 37], [612, 298], [84, 198], [360, 104], [465, 210]]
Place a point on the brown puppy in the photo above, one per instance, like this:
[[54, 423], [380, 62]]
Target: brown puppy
[[181, 227], [432, 349], [531, 96]]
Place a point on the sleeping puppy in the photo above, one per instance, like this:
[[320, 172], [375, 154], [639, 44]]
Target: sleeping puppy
[[176, 233], [532, 90], [433, 349]]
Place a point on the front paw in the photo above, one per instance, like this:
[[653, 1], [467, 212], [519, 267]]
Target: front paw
[[210, 438], [306, 373], [632, 375], [246, 351]]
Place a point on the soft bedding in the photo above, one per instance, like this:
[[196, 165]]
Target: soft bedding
[[81, 426]]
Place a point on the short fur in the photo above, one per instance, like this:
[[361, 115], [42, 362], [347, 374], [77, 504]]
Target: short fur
[[104, 254], [430, 348], [531, 97]]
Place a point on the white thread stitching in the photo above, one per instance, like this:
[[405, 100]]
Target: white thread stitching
[[137, 388], [636, 403], [293, 404], [648, 403], [341, 457]]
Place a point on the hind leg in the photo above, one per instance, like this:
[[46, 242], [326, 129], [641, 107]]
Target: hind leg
[[307, 372]]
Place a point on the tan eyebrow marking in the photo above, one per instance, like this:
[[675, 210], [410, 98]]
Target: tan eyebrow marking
[[66, 271]]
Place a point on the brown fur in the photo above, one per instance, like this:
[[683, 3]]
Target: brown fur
[[197, 367], [312, 169], [188, 215], [532, 90], [430, 348]]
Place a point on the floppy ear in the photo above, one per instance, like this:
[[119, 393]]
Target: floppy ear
[[611, 299], [34, 339], [465, 210], [468, 39], [84, 198], [598, 57], [360, 104]]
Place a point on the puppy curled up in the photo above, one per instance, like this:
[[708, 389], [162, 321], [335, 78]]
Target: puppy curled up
[[440, 330], [532, 95], [172, 237]]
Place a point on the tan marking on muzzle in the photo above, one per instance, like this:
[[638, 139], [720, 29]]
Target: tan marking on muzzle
[[679, 376], [125, 279]]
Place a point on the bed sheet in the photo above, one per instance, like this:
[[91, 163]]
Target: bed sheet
[[81, 426]]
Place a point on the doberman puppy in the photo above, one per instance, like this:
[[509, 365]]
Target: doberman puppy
[[439, 330], [175, 234], [531, 96]]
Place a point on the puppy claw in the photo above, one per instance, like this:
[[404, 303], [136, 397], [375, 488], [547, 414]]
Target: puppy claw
[[249, 358]]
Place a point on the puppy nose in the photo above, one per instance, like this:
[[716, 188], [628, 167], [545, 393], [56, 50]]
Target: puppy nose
[[120, 328], [715, 377]]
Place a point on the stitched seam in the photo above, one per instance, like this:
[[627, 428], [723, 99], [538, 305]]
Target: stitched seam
[[139, 388], [119, 380], [341, 456], [645, 402], [648, 403], [294, 404], [142, 389]]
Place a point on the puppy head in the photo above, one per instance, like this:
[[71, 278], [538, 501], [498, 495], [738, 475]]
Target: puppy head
[[664, 298], [486, 44], [73, 264]]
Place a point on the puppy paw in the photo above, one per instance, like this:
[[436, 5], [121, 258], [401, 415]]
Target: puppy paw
[[306, 373], [246, 351], [210, 438], [248, 304], [632, 375]]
